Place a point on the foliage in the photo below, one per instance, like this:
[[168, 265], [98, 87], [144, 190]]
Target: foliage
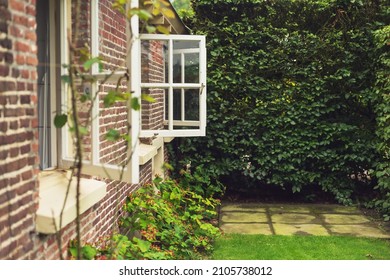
[[290, 94], [183, 8], [163, 220], [201, 183], [382, 169]]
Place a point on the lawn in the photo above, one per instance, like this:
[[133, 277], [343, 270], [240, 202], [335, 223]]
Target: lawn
[[276, 247]]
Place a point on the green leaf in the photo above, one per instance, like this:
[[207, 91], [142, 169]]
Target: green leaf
[[135, 104], [150, 29], [88, 64], [89, 252], [143, 245], [110, 98], [146, 97], [83, 130], [65, 79], [113, 135], [163, 29], [60, 120]]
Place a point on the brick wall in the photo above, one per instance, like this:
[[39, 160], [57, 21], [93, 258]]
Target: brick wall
[[18, 129], [98, 221], [19, 188], [153, 71]]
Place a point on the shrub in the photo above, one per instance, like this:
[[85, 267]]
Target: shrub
[[291, 99], [161, 221]]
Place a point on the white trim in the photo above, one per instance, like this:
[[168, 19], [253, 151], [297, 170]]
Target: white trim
[[53, 82], [171, 131], [133, 64], [52, 194], [94, 167], [95, 34]]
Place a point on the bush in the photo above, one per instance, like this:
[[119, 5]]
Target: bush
[[290, 94], [161, 221]]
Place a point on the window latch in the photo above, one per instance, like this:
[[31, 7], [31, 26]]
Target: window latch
[[201, 89]]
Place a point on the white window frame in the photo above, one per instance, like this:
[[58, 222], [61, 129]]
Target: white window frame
[[170, 86], [93, 166]]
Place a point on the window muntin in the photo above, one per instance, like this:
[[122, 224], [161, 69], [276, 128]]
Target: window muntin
[[176, 66], [106, 164]]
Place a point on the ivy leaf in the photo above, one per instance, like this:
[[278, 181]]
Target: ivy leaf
[[113, 135], [150, 29], [148, 98], [88, 64], [163, 29], [60, 120], [135, 104], [65, 79], [143, 245], [83, 130], [89, 252]]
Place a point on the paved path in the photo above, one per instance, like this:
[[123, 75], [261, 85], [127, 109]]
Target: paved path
[[297, 219]]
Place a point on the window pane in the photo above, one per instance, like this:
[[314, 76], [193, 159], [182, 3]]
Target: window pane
[[154, 55], [186, 61], [152, 113], [192, 68], [192, 104], [177, 67]]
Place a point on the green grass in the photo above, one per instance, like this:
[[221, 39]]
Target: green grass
[[276, 247]]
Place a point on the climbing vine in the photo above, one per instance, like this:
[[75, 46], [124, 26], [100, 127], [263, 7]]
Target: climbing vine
[[292, 98]]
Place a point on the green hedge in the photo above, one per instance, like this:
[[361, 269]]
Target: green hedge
[[292, 94]]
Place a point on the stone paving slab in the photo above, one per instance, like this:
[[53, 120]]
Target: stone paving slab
[[358, 230], [247, 228], [344, 219], [246, 207], [303, 229], [297, 219], [243, 217]]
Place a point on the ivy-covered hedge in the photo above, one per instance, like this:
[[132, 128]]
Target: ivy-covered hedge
[[292, 95]]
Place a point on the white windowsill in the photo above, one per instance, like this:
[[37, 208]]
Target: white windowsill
[[53, 187], [146, 153]]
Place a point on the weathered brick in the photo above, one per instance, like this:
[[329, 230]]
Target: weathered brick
[[4, 70], [16, 5], [14, 152], [13, 125], [14, 180], [3, 127]]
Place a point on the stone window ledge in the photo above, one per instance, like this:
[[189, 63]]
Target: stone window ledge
[[53, 188]]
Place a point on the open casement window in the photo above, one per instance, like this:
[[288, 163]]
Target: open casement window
[[116, 160], [173, 73]]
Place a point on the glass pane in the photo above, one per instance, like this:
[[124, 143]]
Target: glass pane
[[177, 104], [186, 55], [177, 67], [154, 61], [192, 104], [152, 113], [192, 68], [112, 119]]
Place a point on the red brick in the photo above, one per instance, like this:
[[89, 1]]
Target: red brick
[[22, 47], [13, 125], [14, 180], [27, 175], [20, 59], [24, 123], [20, 86], [30, 35], [4, 70], [30, 10], [16, 5], [3, 127], [32, 60]]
